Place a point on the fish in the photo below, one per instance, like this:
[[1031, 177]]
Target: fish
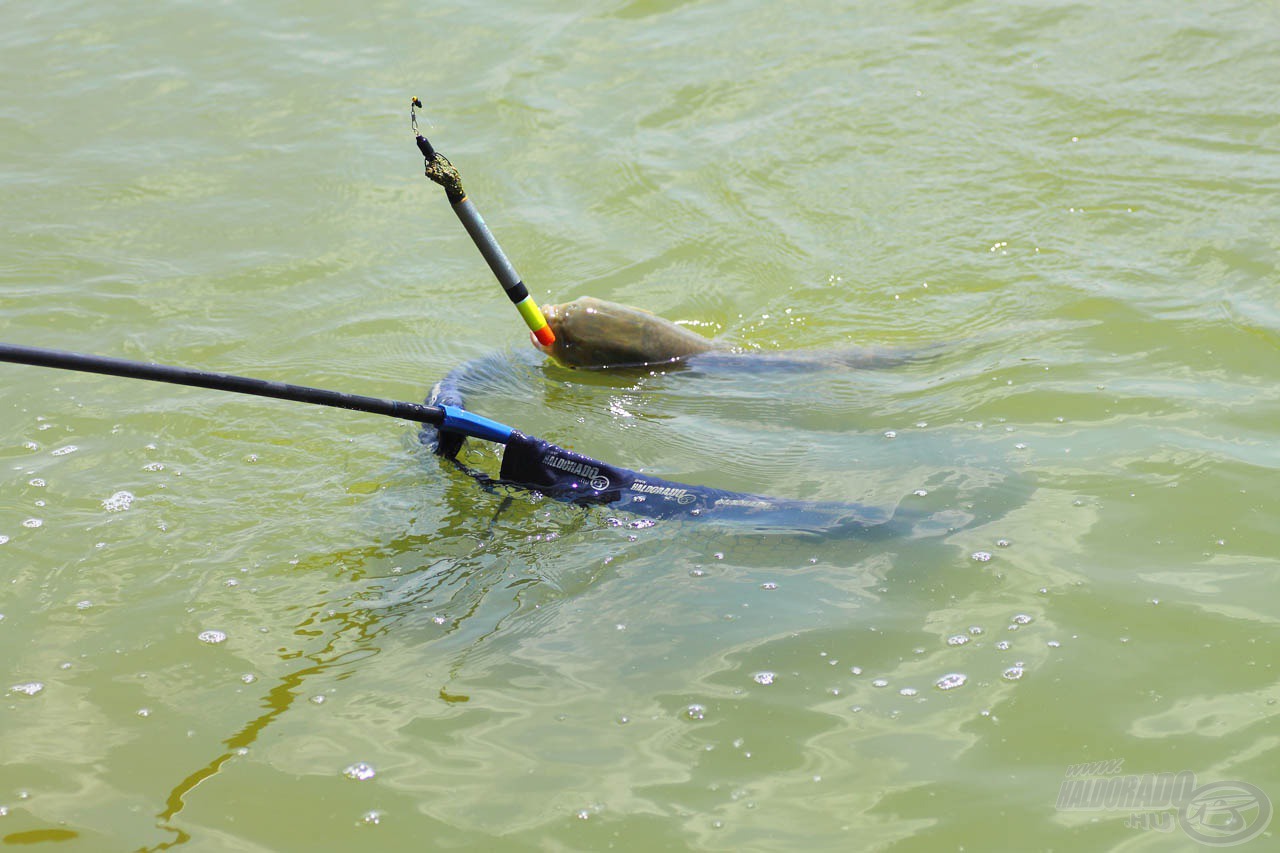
[[597, 334]]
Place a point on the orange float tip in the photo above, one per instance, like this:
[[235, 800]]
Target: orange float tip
[[545, 336]]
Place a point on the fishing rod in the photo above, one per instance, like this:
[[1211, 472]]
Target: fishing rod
[[438, 168], [447, 418]]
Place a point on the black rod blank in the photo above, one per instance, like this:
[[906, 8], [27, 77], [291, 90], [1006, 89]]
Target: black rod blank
[[82, 362]]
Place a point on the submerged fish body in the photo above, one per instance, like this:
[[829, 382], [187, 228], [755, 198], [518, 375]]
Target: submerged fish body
[[597, 334], [591, 332]]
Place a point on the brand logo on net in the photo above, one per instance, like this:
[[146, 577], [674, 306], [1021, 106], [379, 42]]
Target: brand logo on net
[[681, 496], [598, 481]]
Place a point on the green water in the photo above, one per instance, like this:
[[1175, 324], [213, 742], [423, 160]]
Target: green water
[[1077, 200]]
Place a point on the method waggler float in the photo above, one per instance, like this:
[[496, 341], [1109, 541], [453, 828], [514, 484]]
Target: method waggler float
[[438, 168]]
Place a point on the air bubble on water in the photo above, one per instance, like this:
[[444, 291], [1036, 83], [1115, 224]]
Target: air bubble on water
[[248, 678], [951, 681], [765, 677], [63, 451], [318, 699], [855, 670], [890, 434], [119, 502], [696, 712], [641, 523], [697, 572], [1003, 543], [1013, 673], [1053, 644], [84, 605], [153, 466], [144, 712], [1022, 619], [231, 582], [212, 637], [908, 691], [31, 688], [880, 682], [360, 771], [33, 523], [957, 640], [768, 585], [1003, 645], [37, 482], [370, 818], [975, 630], [3, 539], [981, 556]]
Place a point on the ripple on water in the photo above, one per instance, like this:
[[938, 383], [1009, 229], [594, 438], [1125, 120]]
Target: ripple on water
[[31, 688], [360, 771], [119, 502]]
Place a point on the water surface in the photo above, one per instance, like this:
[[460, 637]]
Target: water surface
[[232, 623]]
